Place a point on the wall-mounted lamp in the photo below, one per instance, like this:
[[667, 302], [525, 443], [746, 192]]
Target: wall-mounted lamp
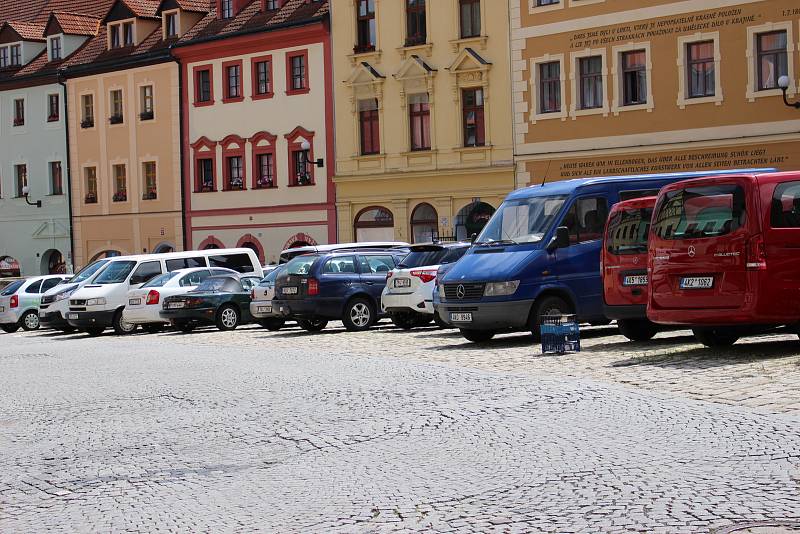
[[25, 192], [783, 83]]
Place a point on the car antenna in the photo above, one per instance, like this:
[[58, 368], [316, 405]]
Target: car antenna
[[544, 178]]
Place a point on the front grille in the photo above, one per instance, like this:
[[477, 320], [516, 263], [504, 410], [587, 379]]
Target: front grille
[[77, 302], [469, 292], [48, 299], [461, 309], [76, 309]]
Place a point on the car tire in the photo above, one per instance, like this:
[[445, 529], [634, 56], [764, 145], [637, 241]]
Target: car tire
[[637, 329], [359, 315], [9, 328], [228, 318], [439, 321], [477, 336], [404, 320], [313, 325], [152, 328], [121, 326], [716, 337], [550, 305], [95, 331], [185, 326], [273, 325], [29, 321]]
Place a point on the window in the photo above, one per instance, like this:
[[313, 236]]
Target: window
[[420, 121], [235, 173], [149, 174], [271, 5], [375, 264], [550, 87], [240, 263], [34, 288], [56, 181], [205, 175], [185, 263], [266, 171], [785, 211], [546, 2], [586, 219], [369, 126], [171, 24], [226, 9], [127, 32], [16, 55], [424, 224], [634, 77], [146, 102], [90, 177], [233, 79], [699, 212], [114, 37], [628, 231], [470, 18], [55, 48], [19, 112], [365, 23], [203, 91], [145, 272], [591, 82], [303, 175], [21, 178], [701, 69], [262, 77], [87, 111], [772, 61], [340, 265], [52, 108], [416, 28], [375, 224], [116, 107], [120, 183], [297, 73], [473, 119], [3, 57]]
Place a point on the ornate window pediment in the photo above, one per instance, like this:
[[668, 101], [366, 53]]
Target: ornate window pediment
[[469, 61]]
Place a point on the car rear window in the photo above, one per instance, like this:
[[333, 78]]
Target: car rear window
[[221, 283], [785, 212], [11, 288], [271, 276], [420, 258], [628, 230], [700, 212], [301, 265]]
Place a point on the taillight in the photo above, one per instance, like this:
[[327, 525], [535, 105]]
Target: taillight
[[253, 294], [193, 302], [313, 286], [389, 275], [153, 297], [14, 301], [426, 275], [756, 253]]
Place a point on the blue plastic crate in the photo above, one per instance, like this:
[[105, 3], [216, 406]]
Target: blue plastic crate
[[560, 334]]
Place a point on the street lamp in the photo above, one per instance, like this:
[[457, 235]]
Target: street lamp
[[25, 192], [305, 174], [783, 83]]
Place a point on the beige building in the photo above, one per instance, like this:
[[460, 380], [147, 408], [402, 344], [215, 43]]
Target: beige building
[[607, 87], [423, 137]]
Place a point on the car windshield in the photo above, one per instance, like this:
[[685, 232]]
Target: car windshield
[[88, 271], [11, 288], [117, 272], [524, 220], [160, 280], [699, 212], [301, 265], [270, 278], [628, 230]]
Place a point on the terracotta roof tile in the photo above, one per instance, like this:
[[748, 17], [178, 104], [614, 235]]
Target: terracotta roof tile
[[203, 6], [29, 31], [143, 8], [25, 10], [72, 24]]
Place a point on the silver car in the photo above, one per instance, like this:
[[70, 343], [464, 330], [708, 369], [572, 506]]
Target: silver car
[[19, 301], [261, 303]]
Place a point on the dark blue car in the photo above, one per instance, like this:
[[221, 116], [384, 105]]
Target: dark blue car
[[346, 286]]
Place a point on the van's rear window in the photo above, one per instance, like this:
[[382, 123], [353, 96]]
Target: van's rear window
[[628, 231], [700, 212]]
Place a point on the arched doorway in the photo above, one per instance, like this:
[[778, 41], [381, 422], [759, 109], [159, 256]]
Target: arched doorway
[[375, 223], [472, 218], [297, 244], [105, 254], [210, 243], [9, 266], [53, 263], [424, 223], [163, 248], [300, 239], [250, 241]]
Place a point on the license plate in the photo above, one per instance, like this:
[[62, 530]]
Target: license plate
[[461, 317], [289, 291], [134, 302], [635, 280], [73, 316], [697, 282], [402, 282], [265, 309], [176, 304]]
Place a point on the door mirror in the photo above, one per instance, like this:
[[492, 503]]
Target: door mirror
[[560, 240]]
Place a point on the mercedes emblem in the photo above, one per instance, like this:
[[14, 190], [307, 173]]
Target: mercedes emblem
[[460, 291], [692, 251]]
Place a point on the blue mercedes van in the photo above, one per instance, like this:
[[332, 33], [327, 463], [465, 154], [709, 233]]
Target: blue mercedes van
[[540, 255]]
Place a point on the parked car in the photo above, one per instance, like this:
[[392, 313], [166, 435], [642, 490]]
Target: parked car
[[19, 302], [624, 268], [144, 303], [220, 300], [318, 288], [540, 255], [261, 307], [408, 295], [724, 255], [290, 253], [5, 281]]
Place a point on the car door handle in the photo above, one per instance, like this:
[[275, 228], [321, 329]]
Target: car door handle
[[369, 283]]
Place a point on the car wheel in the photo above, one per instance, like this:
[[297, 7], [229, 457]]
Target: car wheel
[[716, 337], [121, 326], [29, 321], [94, 332], [152, 328], [359, 315], [185, 326], [273, 325], [227, 318], [9, 328], [552, 305], [313, 325], [404, 320], [637, 329], [477, 336]]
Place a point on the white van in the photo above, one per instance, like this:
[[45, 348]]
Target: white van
[[98, 305]]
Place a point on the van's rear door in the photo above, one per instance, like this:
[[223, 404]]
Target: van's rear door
[[699, 244], [781, 202]]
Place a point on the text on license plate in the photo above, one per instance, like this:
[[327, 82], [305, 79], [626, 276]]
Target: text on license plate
[[72, 316], [402, 282], [635, 280], [461, 317], [265, 309], [289, 291], [175, 304], [697, 282], [134, 302]]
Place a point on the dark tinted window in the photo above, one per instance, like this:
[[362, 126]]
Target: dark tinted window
[[34, 287], [50, 284], [699, 212], [341, 264], [628, 230], [145, 272], [454, 254], [11, 288], [238, 262], [640, 193], [185, 263], [586, 219], [376, 264], [421, 258], [785, 211], [249, 282]]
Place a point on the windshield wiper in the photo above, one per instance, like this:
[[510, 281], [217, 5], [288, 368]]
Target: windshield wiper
[[499, 242]]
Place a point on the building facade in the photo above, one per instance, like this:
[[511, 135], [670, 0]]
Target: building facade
[[258, 127], [423, 138], [631, 86]]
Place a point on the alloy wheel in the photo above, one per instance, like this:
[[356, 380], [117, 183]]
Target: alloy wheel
[[360, 314], [31, 321], [228, 317]]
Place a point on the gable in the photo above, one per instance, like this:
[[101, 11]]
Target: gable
[[468, 61], [119, 12], [168, 5], [53, 27], [8, 35]]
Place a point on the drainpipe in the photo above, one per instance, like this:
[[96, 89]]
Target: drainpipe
[[182, 149], [61, 78]]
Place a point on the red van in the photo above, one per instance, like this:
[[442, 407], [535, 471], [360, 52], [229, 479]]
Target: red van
[[724, 255], [624, 267]]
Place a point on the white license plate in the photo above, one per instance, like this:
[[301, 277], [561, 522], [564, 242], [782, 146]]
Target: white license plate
[[175, 304], [697, 282], [402, 282], [289, 291], [635, 280], [134, 302], [73, 316], [461, 317], [265, 309]]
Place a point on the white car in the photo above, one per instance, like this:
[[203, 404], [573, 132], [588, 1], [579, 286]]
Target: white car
[[261, 302], [408, 295], [19, 301], [145, 302]]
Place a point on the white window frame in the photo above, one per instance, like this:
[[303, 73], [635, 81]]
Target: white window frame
[[533, 8], [110, 106], [617, 105], [139, 89], [50, 39], [752, 82], [683, 70], [574, 76], [535, 114], [165, 16]]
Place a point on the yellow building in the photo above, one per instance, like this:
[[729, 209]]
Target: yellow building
[[423, 111]]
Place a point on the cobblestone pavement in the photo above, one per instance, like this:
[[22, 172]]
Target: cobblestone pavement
[[394, 431]]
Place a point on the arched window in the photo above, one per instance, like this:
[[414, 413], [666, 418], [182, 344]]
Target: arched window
[[53, 263], [163, 248], [211, 246], [472, 218], [250, 241], [424, 223], [375, 223]]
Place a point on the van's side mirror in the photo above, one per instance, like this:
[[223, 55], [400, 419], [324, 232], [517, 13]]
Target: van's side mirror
[[473, 237], [560, 240]]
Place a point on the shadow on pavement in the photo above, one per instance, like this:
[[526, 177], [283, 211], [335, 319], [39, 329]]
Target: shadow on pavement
[[642, 345], [704, 357]]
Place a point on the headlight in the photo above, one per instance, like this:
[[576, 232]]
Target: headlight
[[64, 295], [441, 291], [499, 289], [96, 302]]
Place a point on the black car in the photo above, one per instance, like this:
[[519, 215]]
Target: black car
[[221, 300]]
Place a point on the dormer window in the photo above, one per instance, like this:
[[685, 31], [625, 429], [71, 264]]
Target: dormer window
[[171, 24], [55, 48], [271, 5], [16, 55], [115, 42], [120, 35], [127, 30], [226, 9], [3, 57]]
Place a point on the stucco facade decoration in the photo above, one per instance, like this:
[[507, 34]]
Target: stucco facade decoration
[[423, 138], [631, 86], [256, 92]]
